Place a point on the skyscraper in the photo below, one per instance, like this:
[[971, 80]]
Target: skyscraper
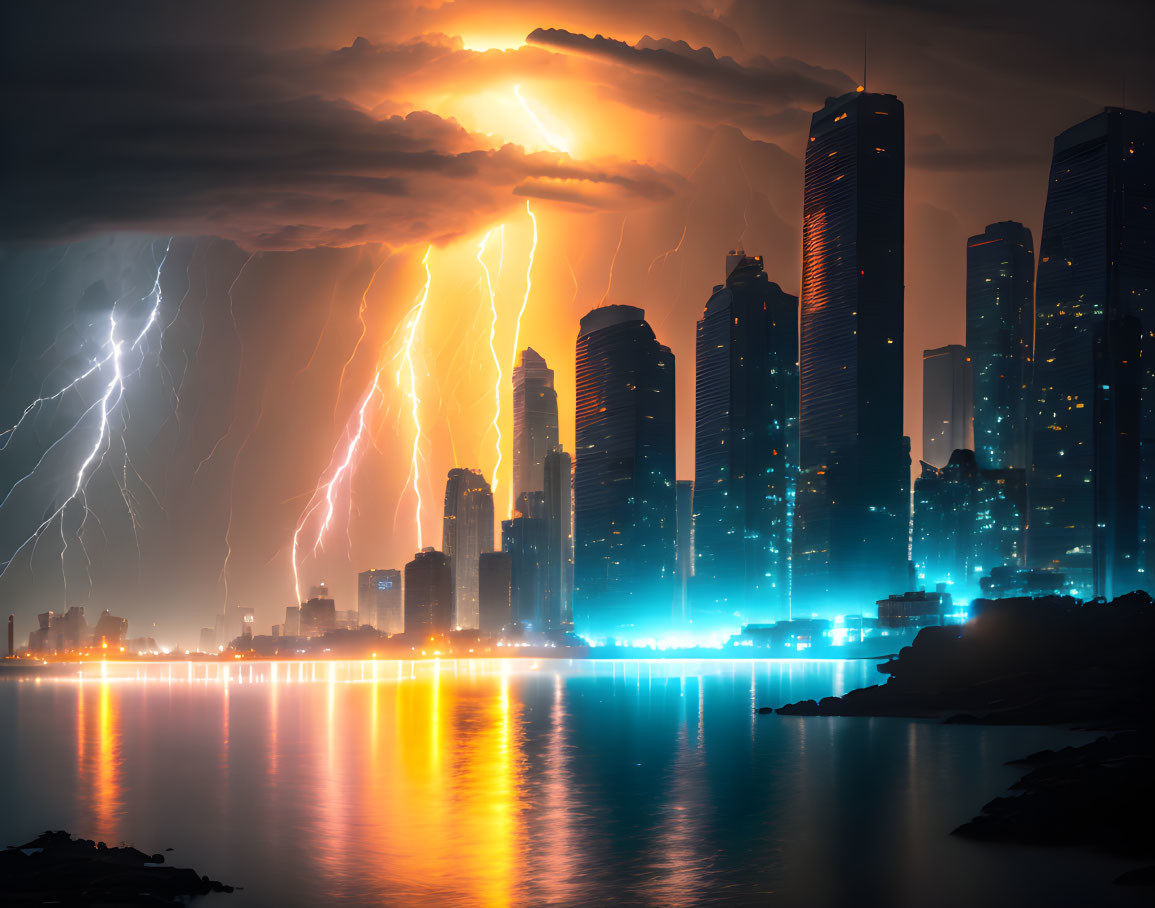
[[534, 421], [428, 594], [745, 450], [559, 551], [1000, 341], [493, 579], [625, 511], [1092, 480], [379, 602], [853, 499], [524, 539], [467, 531], [947, 403]]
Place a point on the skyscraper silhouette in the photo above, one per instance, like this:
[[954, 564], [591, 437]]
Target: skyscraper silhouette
[[379, 602], [624, 496], [559, 551], [947, 403], [534, 421], [1000, 341], [1092, 480], [467, 531], [745, 450], [853, 500], [428, 594]]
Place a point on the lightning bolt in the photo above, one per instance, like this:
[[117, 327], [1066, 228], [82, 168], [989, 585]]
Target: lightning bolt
[[417, 312], [662, 256], [493, 353], [613, 261], [105, 406], [552, 139], [528, 282]]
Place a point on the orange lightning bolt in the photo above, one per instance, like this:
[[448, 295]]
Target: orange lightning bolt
[[493, 353]]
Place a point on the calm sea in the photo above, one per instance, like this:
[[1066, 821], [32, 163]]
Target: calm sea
[[513, 782]]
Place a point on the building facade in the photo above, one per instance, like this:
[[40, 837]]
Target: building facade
[[853, 506], [1000, 293], [534, 421], [494, 573], [625, 509], [746, 430], [428, 594], [1092, 480], [947, 403], [379, 600], [559, 554], [467, 531]]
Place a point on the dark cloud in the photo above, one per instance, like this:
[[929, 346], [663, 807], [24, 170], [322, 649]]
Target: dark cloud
[[264, 149]]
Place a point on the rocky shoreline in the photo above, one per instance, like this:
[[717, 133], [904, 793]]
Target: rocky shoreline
[[57, 869], [1041, 662]]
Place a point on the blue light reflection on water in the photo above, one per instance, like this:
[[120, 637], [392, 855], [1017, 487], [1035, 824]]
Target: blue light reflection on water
[[509, 781]]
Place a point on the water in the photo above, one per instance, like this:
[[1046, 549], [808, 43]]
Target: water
[[511, 782]]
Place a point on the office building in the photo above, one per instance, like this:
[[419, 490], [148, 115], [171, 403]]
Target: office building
[[1092, 481], [428, 594], [853, 506], [746, 426], [379, 600], [625, 506], [525, 540], [1000, 293], [947, 403], [534, 421], [494, 583], [558, 503], [318, 617], [467, 532]]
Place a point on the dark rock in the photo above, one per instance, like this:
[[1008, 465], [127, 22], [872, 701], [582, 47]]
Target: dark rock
[[765, 710]]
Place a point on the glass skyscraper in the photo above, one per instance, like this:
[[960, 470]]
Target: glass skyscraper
[[534, 421], [1092, 480], [947, 403], [625, 511], [467, 531], [853, 506], [1000, 341], [746, 428]]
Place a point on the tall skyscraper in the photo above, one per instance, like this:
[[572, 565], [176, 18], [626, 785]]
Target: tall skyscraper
[[746, 428], [1092, 480], [685, 551], [559, 552], [947, 403], [428, 594], [493, 577], [854, 494], [379, 602], [534, 421], [625, 509], [467, 531], [525, 539], [1000, 341]]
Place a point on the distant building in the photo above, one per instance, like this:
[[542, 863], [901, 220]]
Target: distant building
[[918, 609], [625, 506], [853, 505], [558, 501], [534, 421], [318, 617], [208, 641], [1011, 582], [428, 593], [379, 601], [947, 403], [967, 521], [685, 558], [293, 621], [109, 630], [1093, 425], [494, 578], [467, 532], [525, 540], [746, 429], [1000, 341]]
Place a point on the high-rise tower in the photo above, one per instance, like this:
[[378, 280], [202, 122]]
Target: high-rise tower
[[625, 511], [467, 532], [854, 495], [534, 421], [1092, 474], [1000, 341], [745, 450], [947, 403]]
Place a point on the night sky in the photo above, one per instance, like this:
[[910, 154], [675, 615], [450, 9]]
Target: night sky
[[305, 156]]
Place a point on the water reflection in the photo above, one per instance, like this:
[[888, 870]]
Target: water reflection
[[504, 782]]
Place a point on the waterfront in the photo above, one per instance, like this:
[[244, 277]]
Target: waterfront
[[509, 781]]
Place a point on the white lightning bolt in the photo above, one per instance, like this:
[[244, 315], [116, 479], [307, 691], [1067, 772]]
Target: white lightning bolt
[[493, 353]]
